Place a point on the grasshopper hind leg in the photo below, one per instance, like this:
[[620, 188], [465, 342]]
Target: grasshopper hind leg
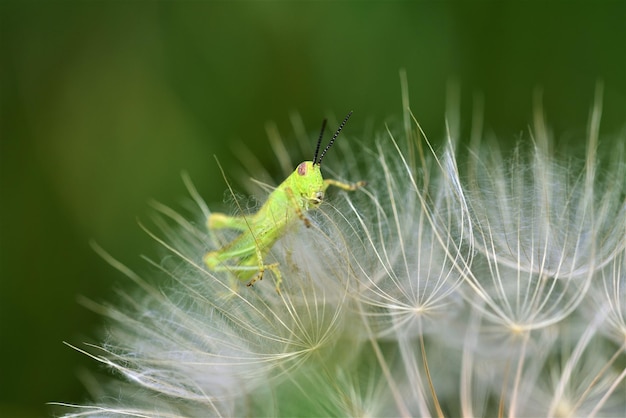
[[251, 266], [243, 257]]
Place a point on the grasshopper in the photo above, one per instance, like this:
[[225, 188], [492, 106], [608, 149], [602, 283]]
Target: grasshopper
[[287, 204]]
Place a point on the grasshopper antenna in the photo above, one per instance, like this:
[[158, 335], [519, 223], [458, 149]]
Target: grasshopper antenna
[[319, 142], [319, 162]]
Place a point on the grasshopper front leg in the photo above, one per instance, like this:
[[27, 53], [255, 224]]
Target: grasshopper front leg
[[344, 186], [297, 206]]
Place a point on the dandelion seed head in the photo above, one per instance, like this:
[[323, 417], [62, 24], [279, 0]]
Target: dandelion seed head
[[489, 287]]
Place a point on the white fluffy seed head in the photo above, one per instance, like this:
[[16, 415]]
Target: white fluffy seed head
[[441, 288]]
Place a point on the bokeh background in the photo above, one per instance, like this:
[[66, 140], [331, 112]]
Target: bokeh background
[[103, 104]]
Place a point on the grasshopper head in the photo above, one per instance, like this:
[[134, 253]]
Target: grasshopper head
[[309, 184]]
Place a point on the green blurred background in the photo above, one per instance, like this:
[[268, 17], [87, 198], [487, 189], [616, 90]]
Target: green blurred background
[[103, 104]]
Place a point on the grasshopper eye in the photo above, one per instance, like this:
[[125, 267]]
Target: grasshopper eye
[[302, 169]]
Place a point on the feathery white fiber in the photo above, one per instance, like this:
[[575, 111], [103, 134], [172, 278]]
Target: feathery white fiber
[[458, 282]]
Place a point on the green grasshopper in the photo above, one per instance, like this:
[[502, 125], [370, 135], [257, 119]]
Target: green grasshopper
[[302, 191]]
